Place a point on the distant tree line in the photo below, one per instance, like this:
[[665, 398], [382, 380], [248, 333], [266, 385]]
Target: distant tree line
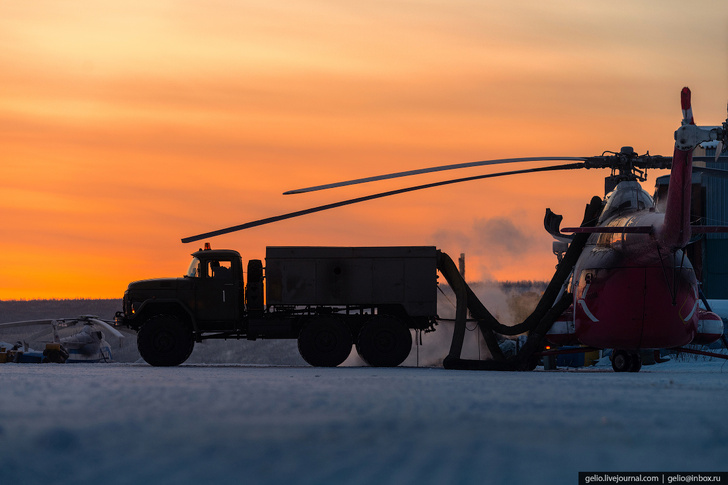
[[526, 285], [22, 310]]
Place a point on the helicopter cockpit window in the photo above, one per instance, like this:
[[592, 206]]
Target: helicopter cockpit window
[[627, 197], [194, 270]]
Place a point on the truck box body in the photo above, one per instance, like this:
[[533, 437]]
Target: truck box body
[[366, 276]]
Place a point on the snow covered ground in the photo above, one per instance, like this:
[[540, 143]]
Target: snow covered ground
[[197, 424]]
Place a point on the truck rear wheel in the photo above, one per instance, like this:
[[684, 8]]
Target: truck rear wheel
[[165, 340], [325, 342], [384, 341]]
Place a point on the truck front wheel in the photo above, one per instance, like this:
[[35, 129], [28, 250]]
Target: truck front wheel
[[325, 341], [384, 341], [165, 340]]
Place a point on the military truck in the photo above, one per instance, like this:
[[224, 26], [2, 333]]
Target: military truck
[[328, 298]]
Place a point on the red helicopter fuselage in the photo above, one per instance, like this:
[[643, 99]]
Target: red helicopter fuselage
[[631, 293], [633, 286]]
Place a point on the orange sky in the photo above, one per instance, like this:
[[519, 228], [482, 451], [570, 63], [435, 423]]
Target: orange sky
[[126, 126]]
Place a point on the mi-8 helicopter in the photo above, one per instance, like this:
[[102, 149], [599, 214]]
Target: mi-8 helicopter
[[64, 340], [626, 283]]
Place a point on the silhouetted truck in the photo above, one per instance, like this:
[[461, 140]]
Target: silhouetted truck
[[328, 298]]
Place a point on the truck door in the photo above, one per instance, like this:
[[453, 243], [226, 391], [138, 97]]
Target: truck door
[[218, 294]]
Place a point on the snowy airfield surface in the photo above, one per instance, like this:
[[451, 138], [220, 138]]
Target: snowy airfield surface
[[199, 424]]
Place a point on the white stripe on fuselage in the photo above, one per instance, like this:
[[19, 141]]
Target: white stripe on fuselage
[[583, 304]]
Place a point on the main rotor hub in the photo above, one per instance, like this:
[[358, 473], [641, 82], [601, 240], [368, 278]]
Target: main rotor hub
[[626, 165]]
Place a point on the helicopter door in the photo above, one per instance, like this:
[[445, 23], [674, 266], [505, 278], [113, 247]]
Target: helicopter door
[[218, 294]]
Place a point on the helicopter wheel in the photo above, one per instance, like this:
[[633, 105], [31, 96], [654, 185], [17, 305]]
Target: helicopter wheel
[[621, 361]]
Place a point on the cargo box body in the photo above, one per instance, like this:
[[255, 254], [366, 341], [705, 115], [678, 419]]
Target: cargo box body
[[345, 276]]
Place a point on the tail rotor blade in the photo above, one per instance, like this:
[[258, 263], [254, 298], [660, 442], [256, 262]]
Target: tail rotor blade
[[687, 108], [430, 170], [334, 205]]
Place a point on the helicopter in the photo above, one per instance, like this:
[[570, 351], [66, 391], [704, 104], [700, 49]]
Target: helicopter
[[68, 343], [625, 283]]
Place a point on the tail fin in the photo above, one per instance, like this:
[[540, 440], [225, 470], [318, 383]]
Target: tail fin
[[675, 231]]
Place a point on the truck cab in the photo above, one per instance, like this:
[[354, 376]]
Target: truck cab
[[217, 277], [209, 296], [170, 314]]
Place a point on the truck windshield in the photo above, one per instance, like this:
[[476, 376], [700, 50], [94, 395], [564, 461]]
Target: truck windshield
[[194, 270]]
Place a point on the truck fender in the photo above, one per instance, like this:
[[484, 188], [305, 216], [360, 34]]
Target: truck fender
[[168, 305]]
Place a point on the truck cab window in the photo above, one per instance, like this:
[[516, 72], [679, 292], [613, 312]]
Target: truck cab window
[[194, 270], [219, 270]]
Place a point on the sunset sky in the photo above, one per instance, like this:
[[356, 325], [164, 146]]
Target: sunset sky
[[125, 126]]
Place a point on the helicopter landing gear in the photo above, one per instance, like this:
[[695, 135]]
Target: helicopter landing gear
[[625, 361]]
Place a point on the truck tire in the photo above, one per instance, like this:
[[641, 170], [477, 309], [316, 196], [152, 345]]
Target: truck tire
[[325, 341], [384, 341], [165, 340]]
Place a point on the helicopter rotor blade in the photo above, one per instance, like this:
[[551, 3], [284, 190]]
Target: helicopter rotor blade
[[342, 203], [107, 327], [431, 169], [25, 323]]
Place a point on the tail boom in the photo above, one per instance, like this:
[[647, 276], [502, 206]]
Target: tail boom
[[675, 231]]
